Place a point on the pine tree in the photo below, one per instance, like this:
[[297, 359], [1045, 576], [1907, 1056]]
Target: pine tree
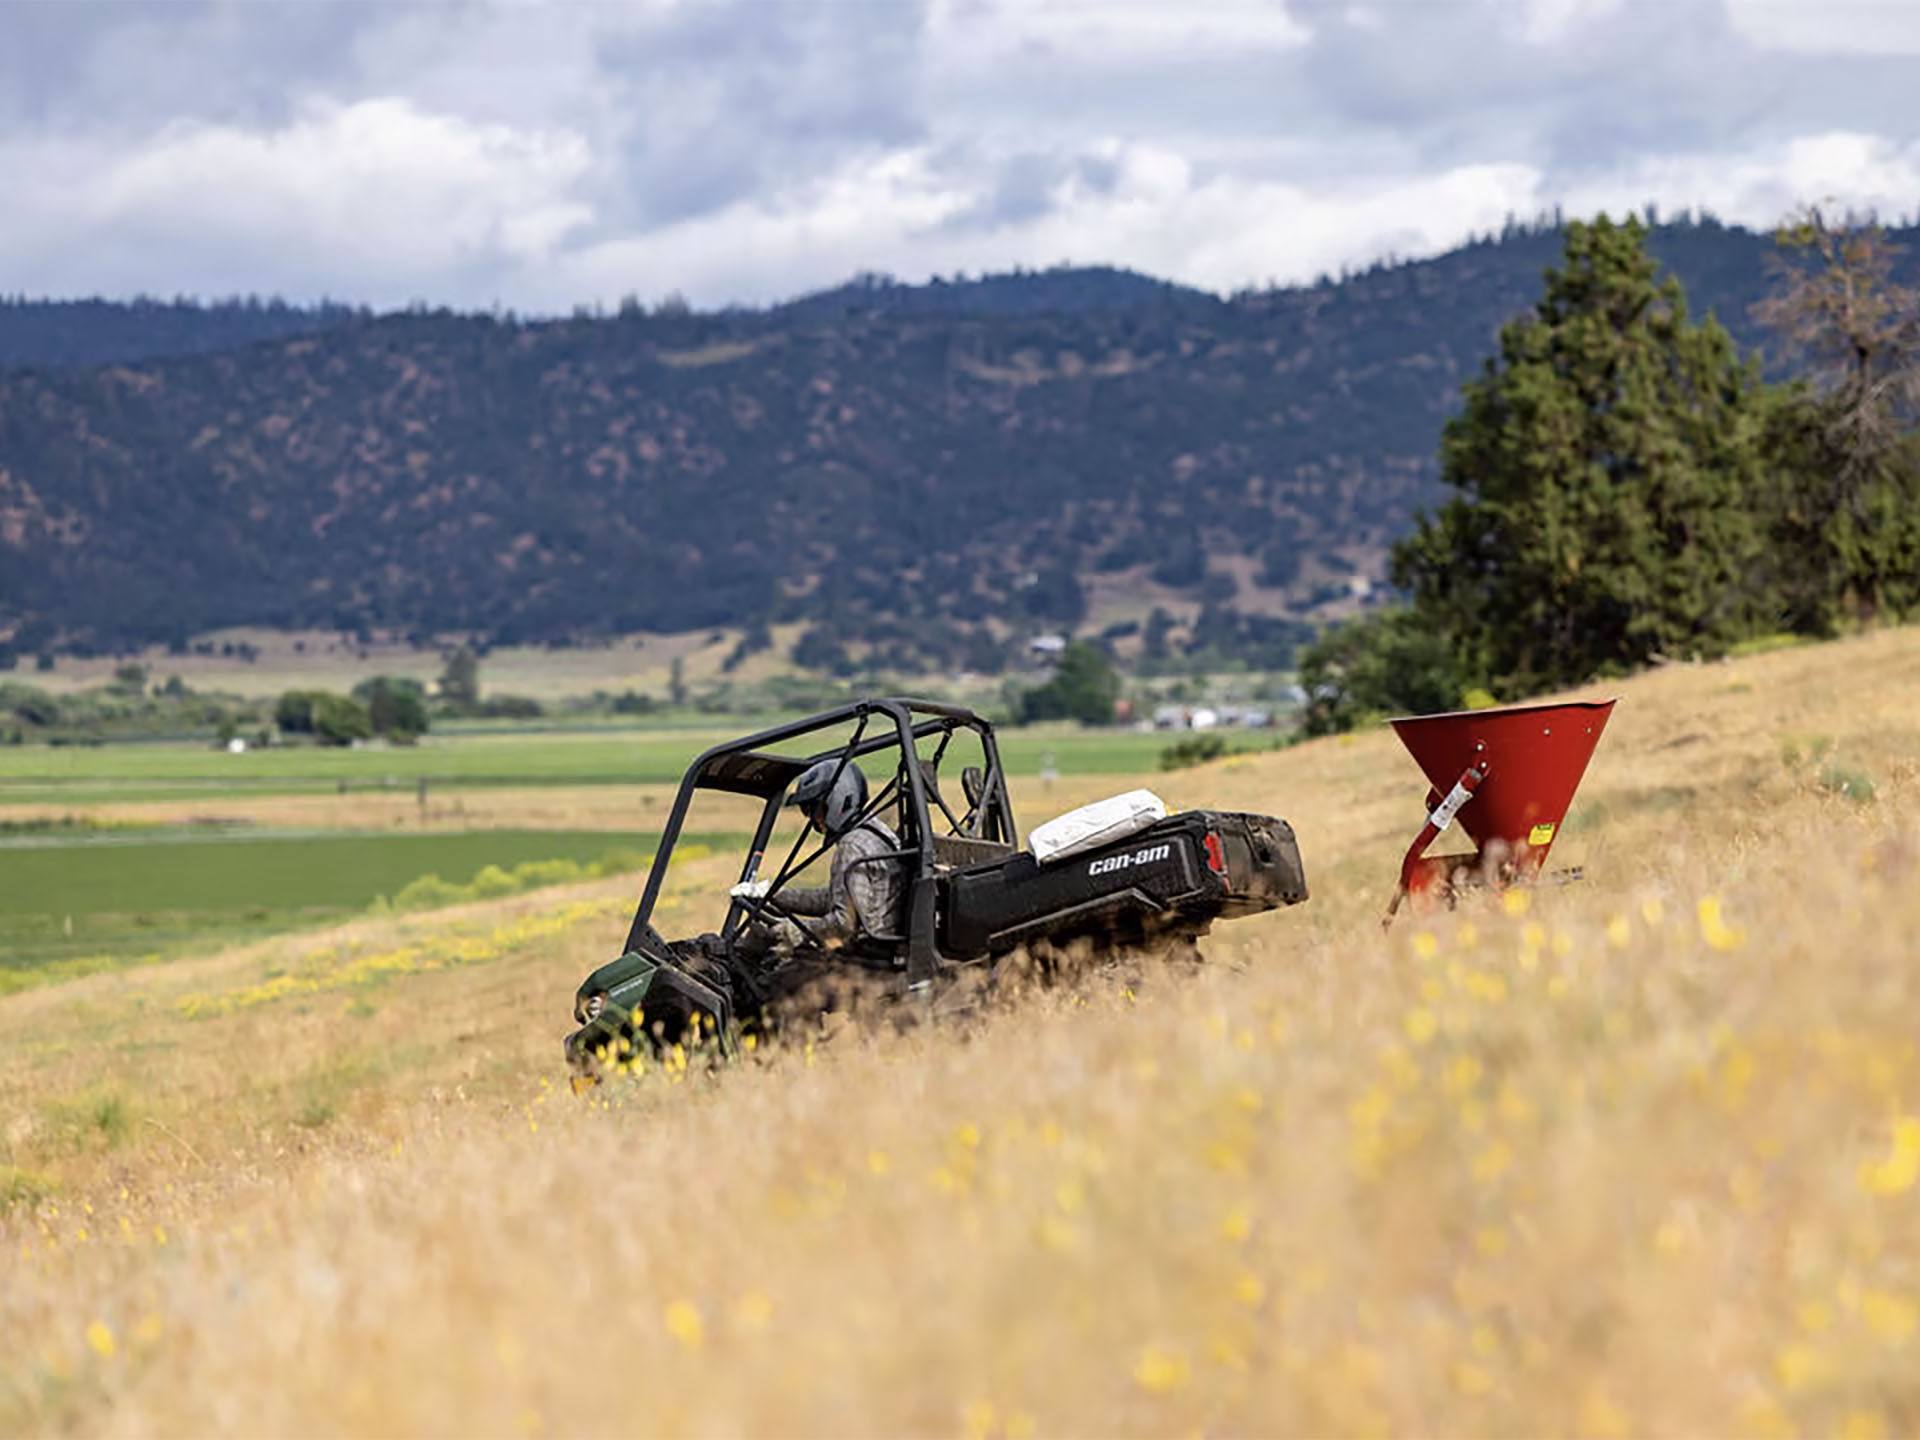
[[460, 679], [1850, 511], [1608, 465]]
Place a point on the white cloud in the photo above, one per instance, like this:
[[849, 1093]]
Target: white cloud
[[1081, 33], [373, 200], [543, 154], [1153, 211], [1549, 21], [1758, 187], [1832, 27]]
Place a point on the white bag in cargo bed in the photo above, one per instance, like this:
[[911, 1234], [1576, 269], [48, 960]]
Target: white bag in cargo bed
[[1092, 826]]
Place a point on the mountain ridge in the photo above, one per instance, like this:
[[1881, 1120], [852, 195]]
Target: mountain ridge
[[929, 470]]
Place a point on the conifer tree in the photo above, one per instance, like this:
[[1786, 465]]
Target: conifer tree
[[1849, 516], [1607, 467]]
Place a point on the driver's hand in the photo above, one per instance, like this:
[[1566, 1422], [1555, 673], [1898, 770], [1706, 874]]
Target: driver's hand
[[751, 890]]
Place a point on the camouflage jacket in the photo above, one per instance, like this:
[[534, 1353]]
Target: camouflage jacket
[[862, 893]]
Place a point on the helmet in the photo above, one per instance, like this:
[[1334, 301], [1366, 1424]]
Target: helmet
[[832, 792]]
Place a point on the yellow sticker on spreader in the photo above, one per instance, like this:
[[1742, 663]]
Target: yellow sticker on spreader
[[1540, 835]]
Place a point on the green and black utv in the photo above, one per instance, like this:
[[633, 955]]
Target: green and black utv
[[970, 895]]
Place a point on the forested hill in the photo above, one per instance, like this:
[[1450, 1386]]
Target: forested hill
[[902, 463], [58, 334]]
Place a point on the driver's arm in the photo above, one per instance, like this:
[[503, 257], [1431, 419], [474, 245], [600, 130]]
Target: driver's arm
[[808, 900], [832, 905]]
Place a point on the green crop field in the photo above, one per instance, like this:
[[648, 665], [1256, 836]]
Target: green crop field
[[81, 775], [139, 893]]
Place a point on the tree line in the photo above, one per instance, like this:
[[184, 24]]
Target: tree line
[[1628, 489]]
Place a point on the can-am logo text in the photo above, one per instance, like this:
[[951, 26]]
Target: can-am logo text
[[1108, 864]]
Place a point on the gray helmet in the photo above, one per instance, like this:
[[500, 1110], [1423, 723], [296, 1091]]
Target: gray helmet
[[835, 802]]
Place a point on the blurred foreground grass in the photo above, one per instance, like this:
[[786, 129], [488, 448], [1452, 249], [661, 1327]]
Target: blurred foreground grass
[[1633, 1156]]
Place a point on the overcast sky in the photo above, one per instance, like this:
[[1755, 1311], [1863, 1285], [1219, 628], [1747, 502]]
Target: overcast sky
[[538, 155]]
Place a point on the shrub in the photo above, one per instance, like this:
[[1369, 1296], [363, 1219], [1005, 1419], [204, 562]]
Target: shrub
[[340, 721], [535, 873], [396, 707], [429, 892], [1848, 782], [492, 882], [1194, 750]]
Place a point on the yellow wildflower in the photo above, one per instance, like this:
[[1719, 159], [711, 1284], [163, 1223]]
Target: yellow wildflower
[[1891, 1317], [1714, 928], [1463, 1075], [1765, 1419], [1161, 1372], [1799, 1367], [1600, 1416], [1901, 1168], [100, 1339], [1619, 932], [684, 1324], [1420, 1025], [1491, 1163]]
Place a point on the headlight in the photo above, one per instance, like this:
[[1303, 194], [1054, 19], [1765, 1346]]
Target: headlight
[[590, 1011]]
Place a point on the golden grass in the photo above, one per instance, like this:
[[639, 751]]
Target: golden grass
[[1633, 1156]]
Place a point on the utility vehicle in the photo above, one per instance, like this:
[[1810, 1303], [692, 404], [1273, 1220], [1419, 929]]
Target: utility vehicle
[[970, 895]]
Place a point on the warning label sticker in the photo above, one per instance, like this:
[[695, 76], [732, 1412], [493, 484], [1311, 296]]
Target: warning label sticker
[[1540, 835]]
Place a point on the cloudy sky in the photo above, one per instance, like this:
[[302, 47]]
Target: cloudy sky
[[538, 155]]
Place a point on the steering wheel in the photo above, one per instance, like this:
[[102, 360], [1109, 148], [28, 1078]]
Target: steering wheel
[[761, 907]]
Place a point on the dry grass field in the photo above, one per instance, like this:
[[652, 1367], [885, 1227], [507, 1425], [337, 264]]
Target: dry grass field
[[1634, 1156]]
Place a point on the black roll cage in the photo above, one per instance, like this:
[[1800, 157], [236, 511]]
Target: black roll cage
[[741, 767]]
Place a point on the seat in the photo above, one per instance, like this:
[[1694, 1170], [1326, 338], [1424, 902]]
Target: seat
[[962, 852]]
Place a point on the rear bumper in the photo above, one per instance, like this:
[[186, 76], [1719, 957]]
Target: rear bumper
[[1264, 869]]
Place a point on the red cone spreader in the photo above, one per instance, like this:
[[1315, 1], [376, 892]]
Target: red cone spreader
[[1508, 776]]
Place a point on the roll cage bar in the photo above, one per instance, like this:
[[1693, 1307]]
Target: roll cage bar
[[741, 767]]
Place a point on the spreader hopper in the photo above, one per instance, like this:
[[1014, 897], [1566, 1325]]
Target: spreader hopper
[[1507, 775]]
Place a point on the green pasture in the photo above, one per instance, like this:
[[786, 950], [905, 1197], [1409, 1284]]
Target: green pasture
[[82, 775], [64, 897]]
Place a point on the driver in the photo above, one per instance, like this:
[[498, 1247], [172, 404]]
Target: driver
[[861, 898]]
